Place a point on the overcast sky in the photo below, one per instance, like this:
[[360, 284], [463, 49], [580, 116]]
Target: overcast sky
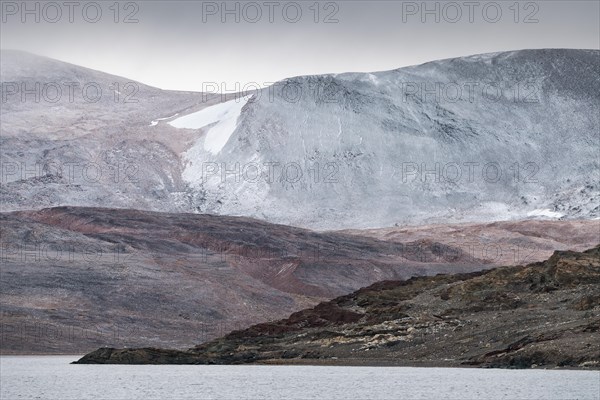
[[183, 45]]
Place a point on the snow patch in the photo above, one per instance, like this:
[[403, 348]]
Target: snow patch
[[225, 115], [546, 212], [373, 79], [155, 122], [210, 115]]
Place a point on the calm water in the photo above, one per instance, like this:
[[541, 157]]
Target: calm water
[[51, 377]]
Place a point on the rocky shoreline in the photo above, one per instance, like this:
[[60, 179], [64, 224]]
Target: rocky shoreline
[[545, 315]]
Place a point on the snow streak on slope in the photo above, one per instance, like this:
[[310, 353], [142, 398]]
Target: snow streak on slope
[[156, 121], [225, 115], [544, 213]]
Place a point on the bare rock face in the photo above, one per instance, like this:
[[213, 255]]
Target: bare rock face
[[508, 317], [466, 139]]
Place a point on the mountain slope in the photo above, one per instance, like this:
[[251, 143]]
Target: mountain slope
[[45, 98], [75, 136], [491, 137], [544, 314], [74, 279]]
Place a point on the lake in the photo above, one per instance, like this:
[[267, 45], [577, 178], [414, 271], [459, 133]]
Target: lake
[[52, 377]]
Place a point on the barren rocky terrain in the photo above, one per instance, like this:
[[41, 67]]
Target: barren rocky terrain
[[74, 279], [502, 242], [545, 314]]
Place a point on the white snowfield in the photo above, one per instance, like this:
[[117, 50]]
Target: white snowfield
[[545, 213], [224, 115], [157, 120]]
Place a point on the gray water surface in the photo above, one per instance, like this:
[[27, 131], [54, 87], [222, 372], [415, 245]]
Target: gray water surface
[[52, 377]]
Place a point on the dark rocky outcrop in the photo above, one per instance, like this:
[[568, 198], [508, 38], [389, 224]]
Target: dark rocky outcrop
[[545, 314]]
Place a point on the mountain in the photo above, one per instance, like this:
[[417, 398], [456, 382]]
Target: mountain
[[545, 314], [75, 279], [74, 136], [501, 136], [386, 155]]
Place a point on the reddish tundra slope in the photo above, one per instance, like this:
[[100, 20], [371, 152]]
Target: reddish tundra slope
[[77, 278], [74, 279]]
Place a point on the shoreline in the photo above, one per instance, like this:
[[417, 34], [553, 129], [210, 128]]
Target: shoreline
[[351, 362]]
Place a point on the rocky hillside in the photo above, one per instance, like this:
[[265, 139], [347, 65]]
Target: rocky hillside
[[74, 279], [466, 139], [503, 242], [545, 314]]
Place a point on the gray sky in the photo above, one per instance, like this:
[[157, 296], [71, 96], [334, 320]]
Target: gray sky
[[185, 44]]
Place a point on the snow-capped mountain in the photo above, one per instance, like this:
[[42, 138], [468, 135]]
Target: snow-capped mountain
[[496, 136]]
